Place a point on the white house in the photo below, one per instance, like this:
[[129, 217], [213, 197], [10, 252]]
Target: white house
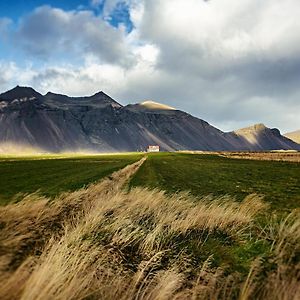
[[153, 148]]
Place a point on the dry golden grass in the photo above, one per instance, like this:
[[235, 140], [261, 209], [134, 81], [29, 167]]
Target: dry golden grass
[[282, 280], [104, 242], [291, 156]]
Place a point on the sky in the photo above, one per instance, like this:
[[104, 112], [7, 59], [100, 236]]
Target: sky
[[233, 63]]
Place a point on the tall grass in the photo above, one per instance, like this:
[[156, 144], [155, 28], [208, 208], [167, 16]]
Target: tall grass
[[104, 242]]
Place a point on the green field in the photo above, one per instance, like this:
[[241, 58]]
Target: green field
[[54, 174], [203, 174], [218, 244], [200, 174]]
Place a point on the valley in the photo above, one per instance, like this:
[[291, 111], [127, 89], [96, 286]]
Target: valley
[[149, 150]]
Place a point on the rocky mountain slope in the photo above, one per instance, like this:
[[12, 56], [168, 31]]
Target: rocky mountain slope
[[54, 123], [294, 136], [259, 137]]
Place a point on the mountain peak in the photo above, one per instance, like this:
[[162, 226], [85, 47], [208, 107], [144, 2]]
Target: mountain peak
[[252, 129], [99, 99], [51, 93], [20, 92], [152, 105], [259, 126], [101, 93], [104, 99]]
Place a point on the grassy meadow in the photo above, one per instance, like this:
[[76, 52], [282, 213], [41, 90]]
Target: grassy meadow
[[166, 226], [54, 174], [202, 174]]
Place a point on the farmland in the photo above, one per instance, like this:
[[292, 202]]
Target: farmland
[[203, 174], [138, 233], [54, 174]]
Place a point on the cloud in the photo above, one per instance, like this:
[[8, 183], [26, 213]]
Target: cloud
[[133, 7], [209, 37], [97, 3], [48, 32], [231, 64], [11, 75], [110, 5], [6, 74], [225, 55]]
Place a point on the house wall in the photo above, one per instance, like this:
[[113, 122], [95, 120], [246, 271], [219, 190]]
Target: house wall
[[153, 149]]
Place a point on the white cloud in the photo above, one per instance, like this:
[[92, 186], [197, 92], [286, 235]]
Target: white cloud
[[48, 31], [97, 2], [202, 32], [232, 63], [11, 75], [148, 53]]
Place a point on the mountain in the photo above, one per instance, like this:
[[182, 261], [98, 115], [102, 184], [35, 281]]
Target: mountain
[[151, 106], [99, 100], [20, 94], [55, 122], [259, 137], [294, 136]]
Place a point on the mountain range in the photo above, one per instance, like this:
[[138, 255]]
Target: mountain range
[[55, 123]]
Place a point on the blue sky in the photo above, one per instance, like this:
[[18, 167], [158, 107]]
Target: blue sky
[[230, 62], [17, 9]]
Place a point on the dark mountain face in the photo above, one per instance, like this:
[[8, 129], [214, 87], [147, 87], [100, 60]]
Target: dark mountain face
[[98, 123], [99, 100], [20, 93]]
